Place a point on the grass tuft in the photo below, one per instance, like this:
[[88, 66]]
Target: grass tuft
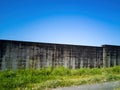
[[46, 78]]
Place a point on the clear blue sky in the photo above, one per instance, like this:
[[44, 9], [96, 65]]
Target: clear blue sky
[[84, 22]]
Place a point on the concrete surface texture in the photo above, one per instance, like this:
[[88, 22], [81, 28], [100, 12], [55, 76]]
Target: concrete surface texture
[[22, 54]]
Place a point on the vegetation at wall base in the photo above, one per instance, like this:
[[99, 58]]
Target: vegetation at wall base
[[45, 78]]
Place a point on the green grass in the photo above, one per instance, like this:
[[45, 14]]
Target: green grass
[[46, 78]]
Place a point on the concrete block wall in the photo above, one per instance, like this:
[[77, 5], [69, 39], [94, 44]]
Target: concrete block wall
[[21, 54]]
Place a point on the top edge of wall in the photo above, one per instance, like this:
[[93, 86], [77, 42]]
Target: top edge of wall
[[105, 45]]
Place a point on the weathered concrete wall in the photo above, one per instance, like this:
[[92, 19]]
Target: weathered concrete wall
[[111, 55], [19, 54]]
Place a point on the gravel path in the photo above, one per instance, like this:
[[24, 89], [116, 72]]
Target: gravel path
[[101, 86]]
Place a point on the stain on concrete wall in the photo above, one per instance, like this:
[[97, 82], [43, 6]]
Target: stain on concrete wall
[[111, 55], [21, 54]]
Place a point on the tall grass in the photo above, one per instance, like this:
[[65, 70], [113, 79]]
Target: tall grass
[[58, 77]]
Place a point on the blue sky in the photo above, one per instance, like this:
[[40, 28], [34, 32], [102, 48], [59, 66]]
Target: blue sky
[[84, 22]]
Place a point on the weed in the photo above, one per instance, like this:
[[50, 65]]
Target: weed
[[43, 78]]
